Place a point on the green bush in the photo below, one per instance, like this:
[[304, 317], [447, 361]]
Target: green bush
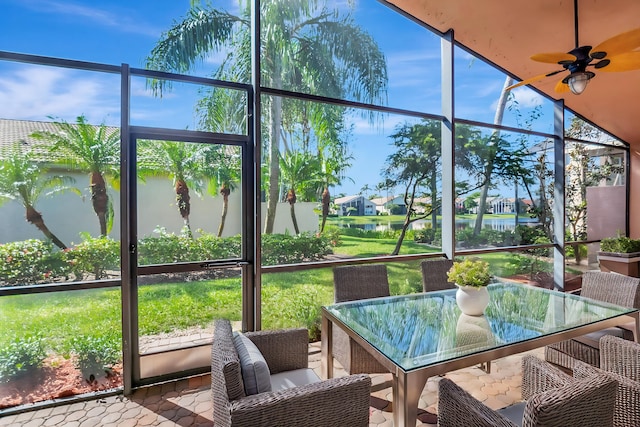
[[20, 357], [333, 234], [95, 256], [299, 307], [31, 261], [95, 355], [525, 235], [620, 244], [530, 264], [285, 249], [35, 261], [170, 248]]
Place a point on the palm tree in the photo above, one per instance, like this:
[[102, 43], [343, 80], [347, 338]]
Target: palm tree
[[299, 170], [222, 166], [183, 162], [305, 47], [92, 149], [364, 191], [22, 179]]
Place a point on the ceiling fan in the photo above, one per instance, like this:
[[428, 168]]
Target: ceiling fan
[[615, 54]]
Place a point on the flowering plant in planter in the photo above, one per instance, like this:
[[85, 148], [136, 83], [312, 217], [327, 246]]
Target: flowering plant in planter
[[470, 272]]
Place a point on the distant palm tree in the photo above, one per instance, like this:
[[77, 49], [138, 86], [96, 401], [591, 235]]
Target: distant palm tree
[[22, 179], [365, 190], [222, 167], [92, 149], [183, 162], [298, 169], [306, 47]]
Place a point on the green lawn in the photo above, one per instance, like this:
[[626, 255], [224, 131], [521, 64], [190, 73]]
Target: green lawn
[[288, 299]]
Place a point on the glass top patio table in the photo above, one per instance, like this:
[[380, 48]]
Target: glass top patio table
[[419, 330]]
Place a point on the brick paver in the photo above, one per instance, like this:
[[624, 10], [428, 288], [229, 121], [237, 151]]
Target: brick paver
[[189, 403]]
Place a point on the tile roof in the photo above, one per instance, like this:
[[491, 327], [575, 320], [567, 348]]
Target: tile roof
[[19, 131]]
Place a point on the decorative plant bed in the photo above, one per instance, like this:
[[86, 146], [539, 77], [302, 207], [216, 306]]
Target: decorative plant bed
[[58, 378], [619, 262]]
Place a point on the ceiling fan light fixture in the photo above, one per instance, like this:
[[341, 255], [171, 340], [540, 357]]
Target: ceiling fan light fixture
[[578, 81]]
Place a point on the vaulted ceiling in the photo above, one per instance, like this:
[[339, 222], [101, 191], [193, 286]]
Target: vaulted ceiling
[[507, 33]]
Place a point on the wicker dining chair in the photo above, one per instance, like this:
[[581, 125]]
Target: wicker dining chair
[[608, 287], [434, 274], [552, 399], [332, 402], [350, 283], [620, 360], [620, 356]]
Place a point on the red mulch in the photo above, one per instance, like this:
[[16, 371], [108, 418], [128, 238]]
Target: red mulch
[[57, 379]]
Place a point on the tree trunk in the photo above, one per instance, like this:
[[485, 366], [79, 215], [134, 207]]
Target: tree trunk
[[183, 200], [326, 201], [99, 199], [502, 102], [225, 191], [434, 198], [291, 199], [407, 218], [274, 164], [35, 218]]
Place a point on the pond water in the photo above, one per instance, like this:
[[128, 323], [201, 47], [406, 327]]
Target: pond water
[[500, 224]]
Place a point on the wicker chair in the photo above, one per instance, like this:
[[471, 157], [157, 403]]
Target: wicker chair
[[337, 401], [434, 274], [607, 287], [353, 283], [620, 360], [620, 356], [552, 398]]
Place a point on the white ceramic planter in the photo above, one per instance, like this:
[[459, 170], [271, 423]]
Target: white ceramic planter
[[472, 300]]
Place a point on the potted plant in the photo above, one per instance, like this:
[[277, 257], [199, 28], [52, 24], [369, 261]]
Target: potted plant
[[620, 254], [471, 276]]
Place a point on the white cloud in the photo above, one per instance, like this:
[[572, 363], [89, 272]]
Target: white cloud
[[125, 21], [413, 68], [527, 98], [382, 126], [34, 93]]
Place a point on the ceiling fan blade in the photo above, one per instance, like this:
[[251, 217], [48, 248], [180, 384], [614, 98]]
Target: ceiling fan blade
[[554, 58], [562, 87], [623, 62], [534, 79], [616, 45]]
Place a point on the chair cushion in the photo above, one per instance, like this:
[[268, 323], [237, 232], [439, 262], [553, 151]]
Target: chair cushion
[[593, 339], [225, 360], [255, 371], [296, 378], [514, 412]]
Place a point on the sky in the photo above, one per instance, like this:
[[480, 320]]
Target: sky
[[124, 31]]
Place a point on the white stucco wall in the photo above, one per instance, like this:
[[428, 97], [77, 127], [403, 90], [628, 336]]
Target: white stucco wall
[[68, 214]]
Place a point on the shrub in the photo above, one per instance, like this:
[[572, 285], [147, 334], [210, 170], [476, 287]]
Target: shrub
[[95, 255], [95, 355], [426, 235], [620, 244], [170, 248], [31, 261], [285, 249], [525, 235], [530, 264], [21, 356], [298, 306]]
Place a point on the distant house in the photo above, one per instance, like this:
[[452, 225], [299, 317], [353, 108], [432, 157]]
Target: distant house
[[354, 206], [384, 204]]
